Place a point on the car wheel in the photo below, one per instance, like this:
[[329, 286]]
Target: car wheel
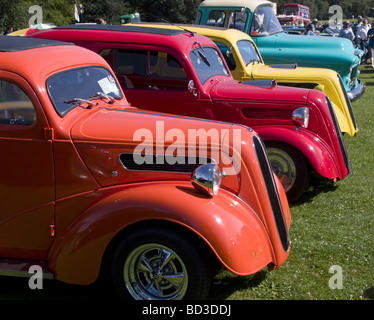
[[161, 264], [291, 167]]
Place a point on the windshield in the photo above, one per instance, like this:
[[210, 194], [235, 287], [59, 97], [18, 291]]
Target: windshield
[[265, 22], [67, 88], [248, 52], [208, 63]]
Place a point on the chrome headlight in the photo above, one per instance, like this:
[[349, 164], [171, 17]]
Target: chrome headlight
[[301, 117], [207, 179]]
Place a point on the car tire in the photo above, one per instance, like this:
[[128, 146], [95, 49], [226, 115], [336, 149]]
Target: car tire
[[159, 263], [291, 167]]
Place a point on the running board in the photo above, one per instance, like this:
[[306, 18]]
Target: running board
[[23, 268]]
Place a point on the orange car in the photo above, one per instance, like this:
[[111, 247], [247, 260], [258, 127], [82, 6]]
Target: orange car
[[89, 182]]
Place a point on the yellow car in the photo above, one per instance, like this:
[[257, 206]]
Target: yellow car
[[245, 63]]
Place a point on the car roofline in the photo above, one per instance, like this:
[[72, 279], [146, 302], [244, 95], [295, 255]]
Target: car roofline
[[121, 28], [16, 44]]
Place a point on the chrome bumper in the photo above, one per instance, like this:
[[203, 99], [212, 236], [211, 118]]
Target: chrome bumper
[[357, 92]]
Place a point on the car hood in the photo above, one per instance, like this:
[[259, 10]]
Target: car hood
[[316, 42], [113, 144], [309, 51], [262, 91], [114, 125]]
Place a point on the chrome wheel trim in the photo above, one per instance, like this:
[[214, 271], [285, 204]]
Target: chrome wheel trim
[[155, 272], [283, 166]]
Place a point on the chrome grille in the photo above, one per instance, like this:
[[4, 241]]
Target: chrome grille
[[272, 191], [354, 75]]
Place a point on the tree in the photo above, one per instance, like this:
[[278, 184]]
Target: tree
[[14, 14], [109, 10], [181, 11]]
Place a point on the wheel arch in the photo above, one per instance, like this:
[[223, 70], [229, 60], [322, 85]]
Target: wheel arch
[[230, 227], [318, 156], [139, 225]]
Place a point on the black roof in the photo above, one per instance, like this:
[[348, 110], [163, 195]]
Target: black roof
[[14, 44], [129, 28]]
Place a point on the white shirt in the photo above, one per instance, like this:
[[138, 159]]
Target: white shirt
[[362, 32]]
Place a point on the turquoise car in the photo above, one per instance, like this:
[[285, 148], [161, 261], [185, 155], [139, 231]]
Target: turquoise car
[[258, 19]]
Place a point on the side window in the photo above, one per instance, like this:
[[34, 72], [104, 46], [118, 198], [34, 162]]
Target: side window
[[226, 52], [238, 20], [15, 106], [216, 18], [143, 69], [130, 67], [198, 17], [166, 73]]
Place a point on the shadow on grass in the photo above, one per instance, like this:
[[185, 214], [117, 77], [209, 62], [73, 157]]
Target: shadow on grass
[[227, 283], [12, 288], [367, 71], [369, 293], [318, 185]]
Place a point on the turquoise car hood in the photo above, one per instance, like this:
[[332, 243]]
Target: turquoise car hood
[[308, 51]]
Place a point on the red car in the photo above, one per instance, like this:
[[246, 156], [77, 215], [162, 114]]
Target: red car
[[89, 183], [180, 72]]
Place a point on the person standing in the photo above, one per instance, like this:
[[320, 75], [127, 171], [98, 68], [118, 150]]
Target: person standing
[[346, 31], [355, 28], [371, 43], [362, 38]]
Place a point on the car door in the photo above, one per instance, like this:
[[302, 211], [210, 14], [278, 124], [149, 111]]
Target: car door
[[156, 80], [26, 172]]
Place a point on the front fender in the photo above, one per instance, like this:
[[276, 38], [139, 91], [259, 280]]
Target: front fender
[[227, 224], [320, 158]]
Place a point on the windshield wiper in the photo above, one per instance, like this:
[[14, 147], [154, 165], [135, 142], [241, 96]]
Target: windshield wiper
[[253, 61], [204, 58], [79, 101], [100, 95]]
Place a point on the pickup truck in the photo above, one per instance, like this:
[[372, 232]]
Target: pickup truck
[[258, 19]]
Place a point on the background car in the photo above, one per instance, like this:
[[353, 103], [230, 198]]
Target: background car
[[180, 72], [257, 18], [245, 63]]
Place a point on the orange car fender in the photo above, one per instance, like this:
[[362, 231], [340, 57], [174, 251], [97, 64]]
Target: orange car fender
[[227, 224]]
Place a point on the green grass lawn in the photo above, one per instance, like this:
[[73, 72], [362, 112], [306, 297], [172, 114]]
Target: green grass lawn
[[332, 226]]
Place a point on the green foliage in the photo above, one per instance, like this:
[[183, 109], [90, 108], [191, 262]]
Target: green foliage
[[331, 225], [14, 14], [61, 12]]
